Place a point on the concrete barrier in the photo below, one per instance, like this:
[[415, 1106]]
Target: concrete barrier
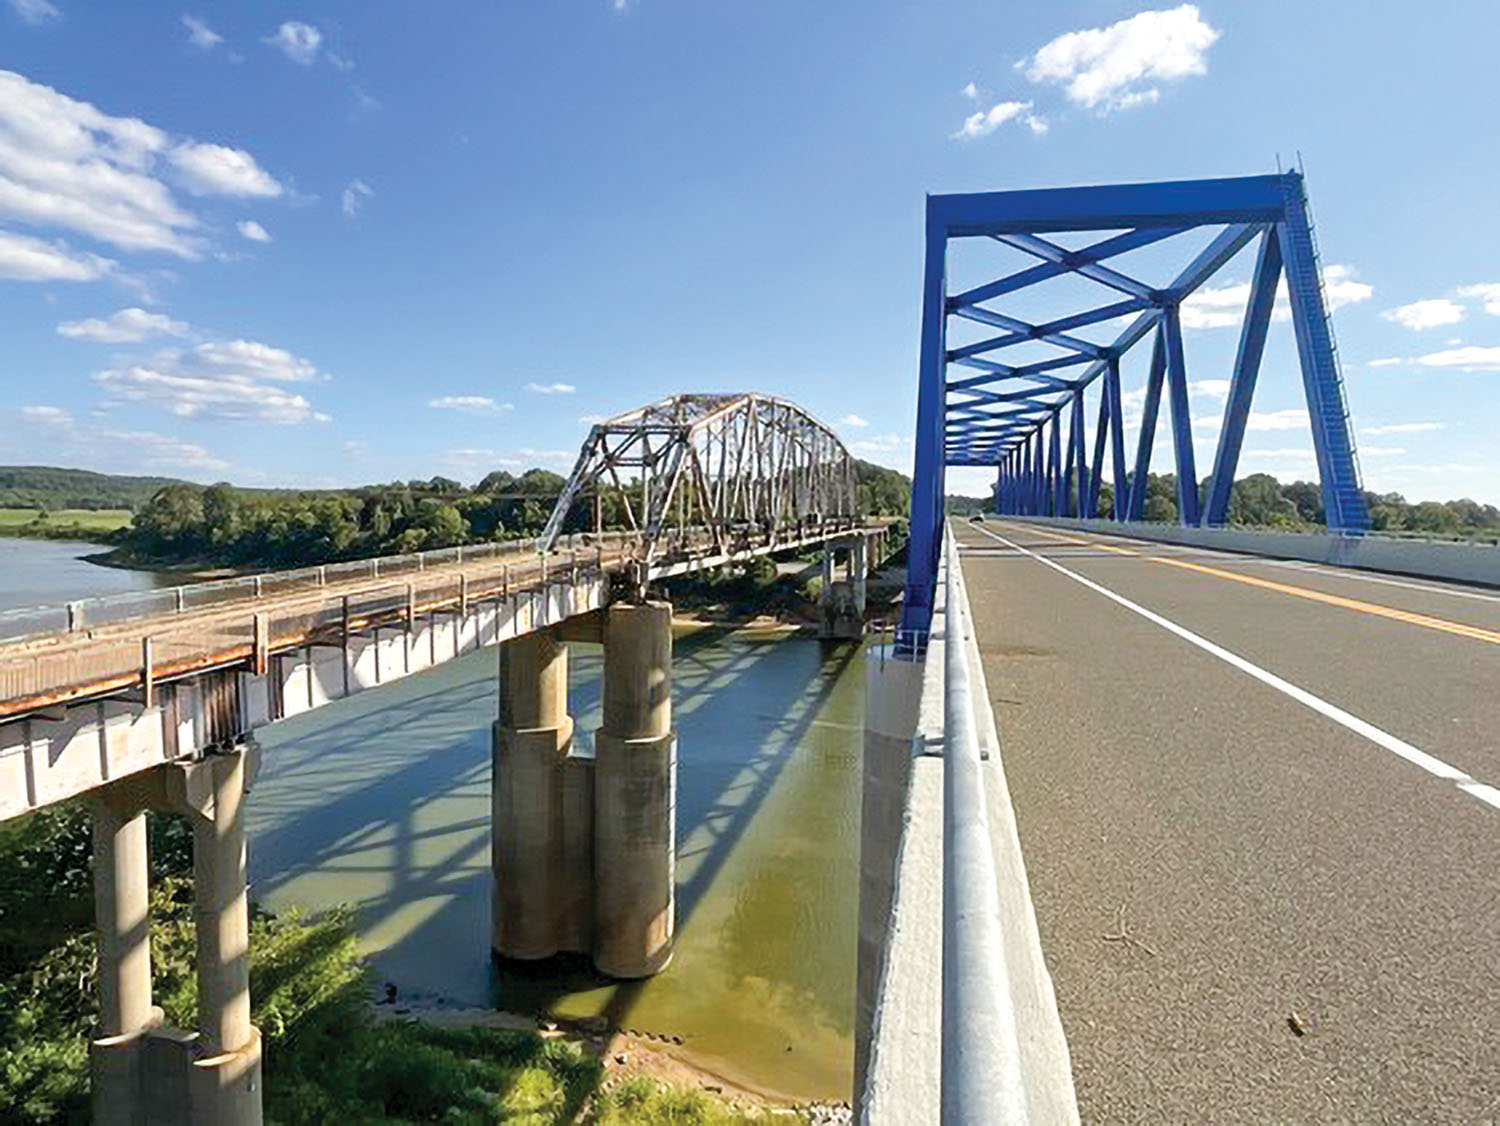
[[1432, 559]]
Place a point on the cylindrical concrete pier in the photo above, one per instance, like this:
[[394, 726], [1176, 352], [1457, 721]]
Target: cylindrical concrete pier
[[530, 742], [635, 791]]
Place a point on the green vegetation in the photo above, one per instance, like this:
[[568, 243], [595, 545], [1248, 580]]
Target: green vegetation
[[97, 525], [44, 486], [1261, 501], [327, 1060]]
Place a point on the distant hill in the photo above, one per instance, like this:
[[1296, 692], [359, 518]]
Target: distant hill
[[46, 486]]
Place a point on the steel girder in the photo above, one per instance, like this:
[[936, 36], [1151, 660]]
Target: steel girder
[[1009, 414], [716, 463]]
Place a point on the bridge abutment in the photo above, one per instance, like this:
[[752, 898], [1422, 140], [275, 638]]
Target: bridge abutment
[[583, 846]]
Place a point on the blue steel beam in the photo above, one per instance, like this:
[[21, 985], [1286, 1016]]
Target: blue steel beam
[[1182, 423], [1055, 477], [1242, 380], [1148, 428], [1243, 199], [1107, 248], [1117, 434], [928, 476], [1070, 467], [1333, 443], [1062, 324], [1094, 271], [1101, 435], [1075, 432]]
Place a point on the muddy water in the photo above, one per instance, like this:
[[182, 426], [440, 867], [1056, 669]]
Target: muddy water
[[382, 801], [51, 572]]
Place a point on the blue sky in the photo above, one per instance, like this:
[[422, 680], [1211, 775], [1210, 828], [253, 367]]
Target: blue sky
[[314, 243]]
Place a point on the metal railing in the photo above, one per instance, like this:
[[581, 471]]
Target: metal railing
[[982, 1084]]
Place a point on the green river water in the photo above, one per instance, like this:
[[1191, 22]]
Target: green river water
[[382, 801]]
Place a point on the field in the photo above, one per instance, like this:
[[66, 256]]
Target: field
[[100, 520]]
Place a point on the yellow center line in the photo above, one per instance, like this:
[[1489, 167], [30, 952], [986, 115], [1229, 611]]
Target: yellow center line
[[1378, 611]]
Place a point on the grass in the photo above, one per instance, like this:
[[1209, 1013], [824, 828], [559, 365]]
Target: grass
[[326, 1059], [93, 520]]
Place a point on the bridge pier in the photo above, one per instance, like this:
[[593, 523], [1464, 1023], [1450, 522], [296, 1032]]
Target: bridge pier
[[142, 1072], [842, 604], [583, 847]]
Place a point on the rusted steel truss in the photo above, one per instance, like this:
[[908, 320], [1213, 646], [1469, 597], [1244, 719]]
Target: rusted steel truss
[[724, 463]]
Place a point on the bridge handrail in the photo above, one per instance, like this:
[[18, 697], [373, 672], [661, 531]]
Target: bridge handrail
[[112, 609], [981, 1075]]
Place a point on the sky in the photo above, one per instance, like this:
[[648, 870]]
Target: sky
[[318, 244]]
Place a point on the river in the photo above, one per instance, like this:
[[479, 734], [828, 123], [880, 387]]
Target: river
[[383, 801]]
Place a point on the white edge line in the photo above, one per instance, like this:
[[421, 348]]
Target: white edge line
[[1398, 747]]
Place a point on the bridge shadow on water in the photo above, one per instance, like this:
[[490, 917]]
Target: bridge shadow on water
[[383, 801]]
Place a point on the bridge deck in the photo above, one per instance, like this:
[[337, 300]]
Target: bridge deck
[[290, 610], [1214, 858]]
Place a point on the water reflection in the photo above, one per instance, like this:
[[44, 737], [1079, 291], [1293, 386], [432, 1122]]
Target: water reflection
[[51, 572], [383, 801]]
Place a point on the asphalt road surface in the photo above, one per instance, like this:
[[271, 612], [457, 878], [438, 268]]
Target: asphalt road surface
[[1255, 802]]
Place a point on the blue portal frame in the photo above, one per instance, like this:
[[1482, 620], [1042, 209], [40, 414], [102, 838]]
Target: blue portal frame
[[1010, 416]]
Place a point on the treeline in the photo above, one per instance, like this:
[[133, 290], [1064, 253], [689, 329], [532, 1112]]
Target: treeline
[[1261, 501], [45, 487], [225, 526]]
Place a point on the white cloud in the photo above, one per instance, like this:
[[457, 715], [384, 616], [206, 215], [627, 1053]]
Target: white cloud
[[593, 419], [340, 62], [1385, 362], [219, 170], [985, 122], [1294, 418], [1488, 292], [550, 388], [477, 404], [200, 35], [297, 41], [46, 416], [253, 230], [64, 163], [1426, 314], [971, 92], [1405, 428], [36, 12], [234, 379], [1113, 67], [1472, 358], [128, 326], [145, 450], [24, 258], [353, 196], [1206, 388], [1381, 451], [854, 420], [1290, 451], [1224, 305]]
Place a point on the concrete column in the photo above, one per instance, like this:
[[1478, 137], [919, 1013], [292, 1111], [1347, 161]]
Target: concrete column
[[224, 1081], [827, 592], [859, 556], [122, 921], [531, 740], [635, 792]]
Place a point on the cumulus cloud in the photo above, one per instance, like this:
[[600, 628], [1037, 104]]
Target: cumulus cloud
[[1295, 418], [200, 35], [985, 122], [1487, 292], [971, 92], [550, 388], [297, 41], [1426, 314], [1385, 362], [45, 416], [474, 404], [234, 379], [1470, 358], [64, 163], [1224, 305], [128, 326], [253, 230], [1117, 67], [356, 193], [206, 169], [853, 420], [36, 12], [24, 258]]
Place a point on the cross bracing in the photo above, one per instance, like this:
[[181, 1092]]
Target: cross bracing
[[714, 462], [1002, 386]]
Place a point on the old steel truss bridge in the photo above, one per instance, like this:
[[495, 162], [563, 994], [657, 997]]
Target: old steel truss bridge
[[725, 466], [997, 385]]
